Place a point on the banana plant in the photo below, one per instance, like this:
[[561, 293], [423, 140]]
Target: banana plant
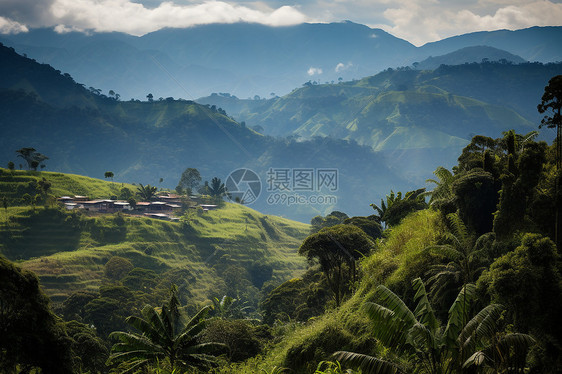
[[433, 348]]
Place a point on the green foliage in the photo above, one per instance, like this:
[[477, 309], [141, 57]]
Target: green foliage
[[476, 196], [243, 339], [441, 197], [147, 192], [190, 179], [369, 225], [217, 188], [551, 101], [336, 249], [527, 280], [30, 335], [464, 255], [332, 219], [32, 157], [297, 299], [429, 348], [88, 350], [304, 357], [117, 267], [163, 336], [396, 207]]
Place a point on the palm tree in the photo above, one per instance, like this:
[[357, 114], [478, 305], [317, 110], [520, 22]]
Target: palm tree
[[443, 190], [229, 308], [464, 252], [428, 346], [146, 192], [161, 338], [217, 188]]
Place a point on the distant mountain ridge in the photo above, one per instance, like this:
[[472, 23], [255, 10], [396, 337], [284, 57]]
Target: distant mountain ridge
[[248, 59], [468, 55], [141, 142]]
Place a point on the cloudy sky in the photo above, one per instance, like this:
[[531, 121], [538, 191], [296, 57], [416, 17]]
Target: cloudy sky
[[418, 21]]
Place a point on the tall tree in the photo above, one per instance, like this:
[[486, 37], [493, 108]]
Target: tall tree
[[336, 249], [190, 179], [551, 104], [217, 188], [109, 174], [32, 157]]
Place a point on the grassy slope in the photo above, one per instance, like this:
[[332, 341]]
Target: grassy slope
[[13, 184], [348, 326], [68, 251]]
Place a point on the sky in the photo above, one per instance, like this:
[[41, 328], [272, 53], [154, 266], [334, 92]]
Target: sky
[[417, 21]]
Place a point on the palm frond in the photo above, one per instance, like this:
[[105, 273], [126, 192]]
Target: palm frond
[[367, 364], [483, 324], [423, 312], [458, 313]]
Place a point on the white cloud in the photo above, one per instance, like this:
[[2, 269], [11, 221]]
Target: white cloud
[[134, 18], [7, 26], [314, 71], [419, 23], [341, 66]]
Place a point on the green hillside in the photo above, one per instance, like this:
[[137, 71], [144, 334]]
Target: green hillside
[[15, 183], [69, 250], [392, 109]]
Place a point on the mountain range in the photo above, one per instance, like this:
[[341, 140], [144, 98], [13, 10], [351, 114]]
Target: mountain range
[[142, 142], [250, 59]]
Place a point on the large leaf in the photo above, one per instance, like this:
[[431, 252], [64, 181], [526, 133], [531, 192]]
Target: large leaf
[[458, 314], [424, 312], [367, 364]]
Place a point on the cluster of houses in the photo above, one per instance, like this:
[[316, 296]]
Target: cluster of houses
[[163, 207]]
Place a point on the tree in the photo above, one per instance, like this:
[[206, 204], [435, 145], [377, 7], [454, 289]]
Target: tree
[[11, 166], [162, 336], [146, 192], [528, 281], [5, 205], [190, 179], [109, 174], [217, 188], [417, 334], [442, 194], [150, 97], [397, 207], [336, 249], [32, 157], [551, 103], [464, 253], [30, 335]]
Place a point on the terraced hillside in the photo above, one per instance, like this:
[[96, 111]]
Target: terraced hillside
[[69, 250]]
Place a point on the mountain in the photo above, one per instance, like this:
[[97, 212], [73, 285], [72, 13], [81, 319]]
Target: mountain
[[469, 55], [84, 132], [532, 44], [242, 58], [406, 108], [407, 114], [249, 59]]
